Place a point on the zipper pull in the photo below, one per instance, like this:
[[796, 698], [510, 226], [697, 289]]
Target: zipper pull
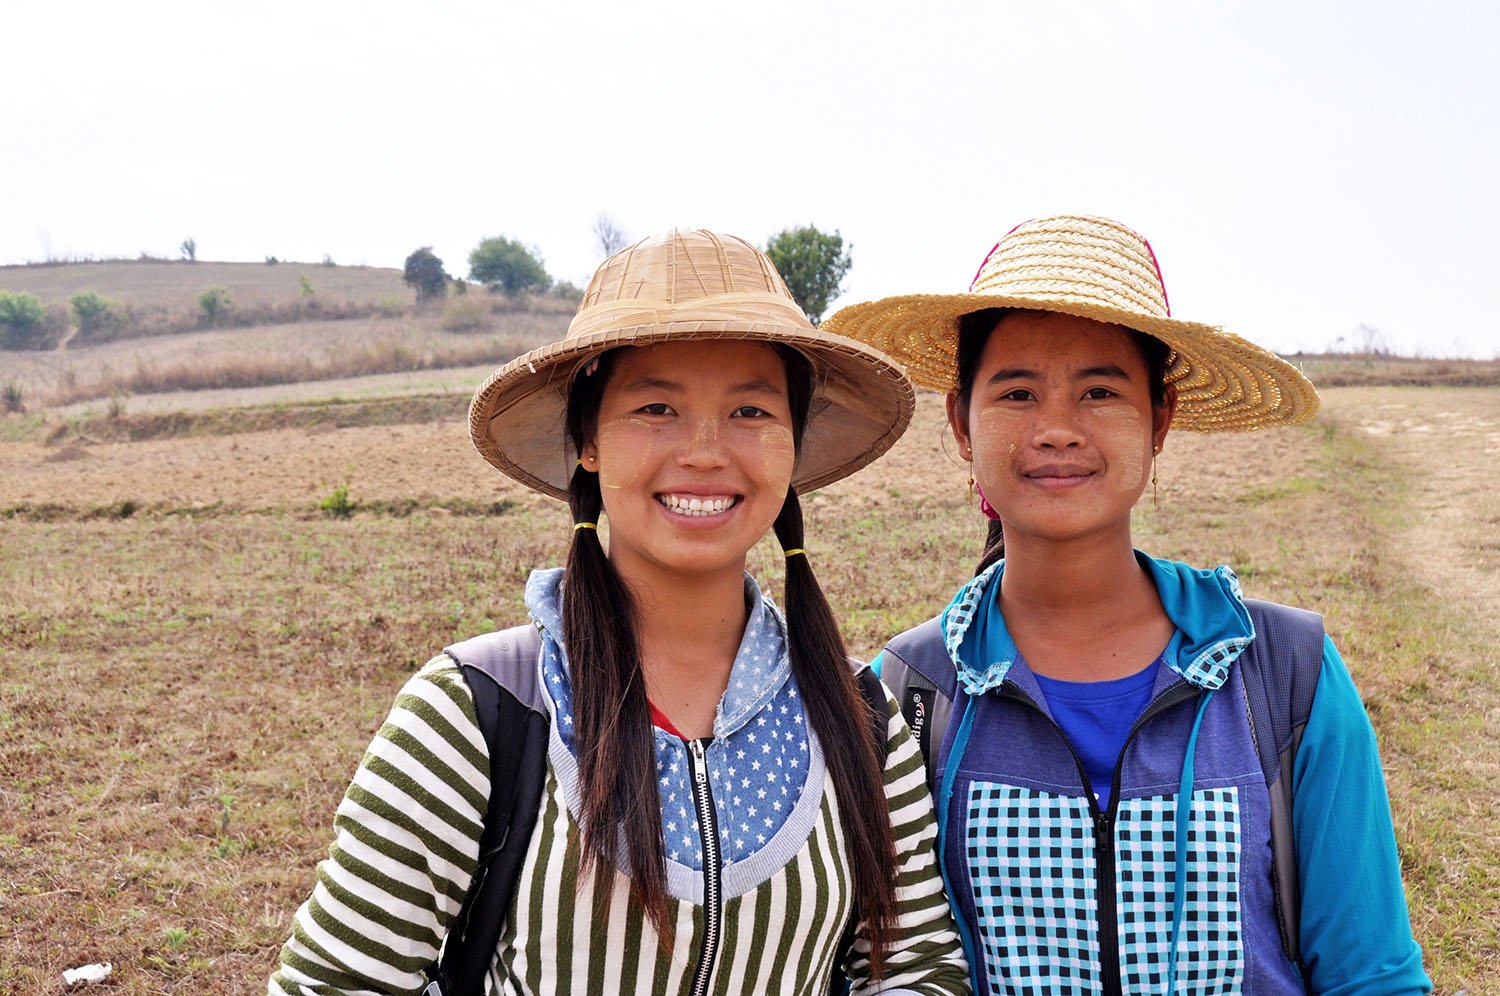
[[1102, 829], [700, 766]]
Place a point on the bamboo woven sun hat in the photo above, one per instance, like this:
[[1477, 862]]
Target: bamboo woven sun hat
[[690, 285], [1091, 268]]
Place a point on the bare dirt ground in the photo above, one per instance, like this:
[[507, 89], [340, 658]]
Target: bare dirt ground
[[1450, 441]]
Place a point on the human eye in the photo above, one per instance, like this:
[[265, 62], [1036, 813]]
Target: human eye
[[655, 408], [1018, 394], [1099, 394], [751, 411]]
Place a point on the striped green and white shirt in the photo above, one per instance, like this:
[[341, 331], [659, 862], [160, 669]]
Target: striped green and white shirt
[[406, 844]]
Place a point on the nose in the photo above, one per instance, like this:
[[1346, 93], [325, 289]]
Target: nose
[[702, 447], [1057, 428]]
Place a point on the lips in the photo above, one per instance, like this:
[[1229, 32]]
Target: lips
[[697, 505], [1058, 470], [1058, 473]]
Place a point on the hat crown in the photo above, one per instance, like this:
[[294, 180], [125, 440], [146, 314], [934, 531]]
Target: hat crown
[[683, 276], [1076, 258]]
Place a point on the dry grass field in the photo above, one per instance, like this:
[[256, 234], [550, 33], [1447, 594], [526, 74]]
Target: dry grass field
[[208, 600], [194, 652]]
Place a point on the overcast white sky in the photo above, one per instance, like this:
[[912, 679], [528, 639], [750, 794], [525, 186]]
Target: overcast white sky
[[1301, 168]]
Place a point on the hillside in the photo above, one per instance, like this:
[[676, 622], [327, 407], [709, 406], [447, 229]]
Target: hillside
[[276, 324]]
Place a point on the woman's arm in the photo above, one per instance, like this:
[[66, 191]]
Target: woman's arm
[[925, 955], [406, 843], [1356, 934]]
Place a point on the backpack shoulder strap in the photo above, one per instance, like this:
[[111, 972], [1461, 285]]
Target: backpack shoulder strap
[[917, 669], [1279, 671], [873, 692], [501, 671]]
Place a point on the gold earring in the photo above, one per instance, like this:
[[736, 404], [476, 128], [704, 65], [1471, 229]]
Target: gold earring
[[1155, 498], [971, 481]]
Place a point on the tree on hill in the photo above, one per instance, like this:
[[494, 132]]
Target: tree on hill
[[813, 264], [189, 249], [507, 266], [425, 274]]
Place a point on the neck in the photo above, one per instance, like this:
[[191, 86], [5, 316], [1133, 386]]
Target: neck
[[689, 630], [1082, 611]]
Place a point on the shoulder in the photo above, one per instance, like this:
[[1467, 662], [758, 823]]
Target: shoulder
[[435, 707]]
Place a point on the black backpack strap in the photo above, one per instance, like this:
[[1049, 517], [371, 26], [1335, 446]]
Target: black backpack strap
[[1279, 672], [916, 667], [501, 671]]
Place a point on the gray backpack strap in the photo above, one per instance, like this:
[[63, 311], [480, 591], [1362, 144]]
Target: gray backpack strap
[[501, 672], [916, 667], [1279, 673]]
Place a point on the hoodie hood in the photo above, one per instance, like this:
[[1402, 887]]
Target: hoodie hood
[[1212, 625], [761, 666]]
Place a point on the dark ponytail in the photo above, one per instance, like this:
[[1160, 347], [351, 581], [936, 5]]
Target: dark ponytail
[[612, 719], [836, 709], [840, 716]]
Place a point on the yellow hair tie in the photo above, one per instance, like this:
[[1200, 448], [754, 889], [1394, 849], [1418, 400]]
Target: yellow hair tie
[[793, 552], [585, 525]]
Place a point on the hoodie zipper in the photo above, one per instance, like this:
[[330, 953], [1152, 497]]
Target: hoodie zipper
[[708, 832], [1105, 826]]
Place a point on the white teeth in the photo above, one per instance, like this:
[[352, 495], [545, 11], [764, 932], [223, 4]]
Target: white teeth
[[683, 505]]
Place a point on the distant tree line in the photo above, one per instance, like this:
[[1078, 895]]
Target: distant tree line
[[813, 264]]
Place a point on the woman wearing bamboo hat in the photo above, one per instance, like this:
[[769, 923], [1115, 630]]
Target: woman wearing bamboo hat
[[1144, 782], [718, 801]]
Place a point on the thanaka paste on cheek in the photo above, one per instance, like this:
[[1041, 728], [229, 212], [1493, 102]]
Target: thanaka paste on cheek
[[778, 455], [625, 447], [1122, 431]]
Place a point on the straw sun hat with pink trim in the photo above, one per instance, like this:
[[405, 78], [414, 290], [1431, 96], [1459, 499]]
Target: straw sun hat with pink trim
[[1099, 269], [685, 285]]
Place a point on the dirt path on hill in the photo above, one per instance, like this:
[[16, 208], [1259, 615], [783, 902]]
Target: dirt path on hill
[[1448, 440]]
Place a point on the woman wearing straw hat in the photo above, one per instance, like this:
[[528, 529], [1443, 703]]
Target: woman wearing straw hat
[[1109, 724], [715, 805]]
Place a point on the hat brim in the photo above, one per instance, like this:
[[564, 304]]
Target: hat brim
[[1223, 383], [861, 403]]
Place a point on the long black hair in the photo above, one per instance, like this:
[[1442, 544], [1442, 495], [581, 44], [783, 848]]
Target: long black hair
[[613, 734], [974, 330]]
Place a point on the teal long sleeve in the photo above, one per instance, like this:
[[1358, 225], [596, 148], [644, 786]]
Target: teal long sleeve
[[1356, 933]]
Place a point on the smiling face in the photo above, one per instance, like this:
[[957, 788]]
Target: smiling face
[[1060, 425], [694, 450]]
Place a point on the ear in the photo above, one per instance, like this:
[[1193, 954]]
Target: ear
[[958, 421], [590, 456], [1161, 418]]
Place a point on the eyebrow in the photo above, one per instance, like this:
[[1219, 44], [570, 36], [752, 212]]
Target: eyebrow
[[1108, 370]]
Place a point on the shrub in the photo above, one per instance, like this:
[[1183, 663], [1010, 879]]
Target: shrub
[[507, 266], [189, 249], [338, 504], [568, 291], [24, 323], [214, 304], [91, 310], [13, 398], [272, 260], [306, 285], [466, 314]]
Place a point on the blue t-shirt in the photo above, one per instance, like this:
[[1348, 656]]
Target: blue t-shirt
[[1096, 717]]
